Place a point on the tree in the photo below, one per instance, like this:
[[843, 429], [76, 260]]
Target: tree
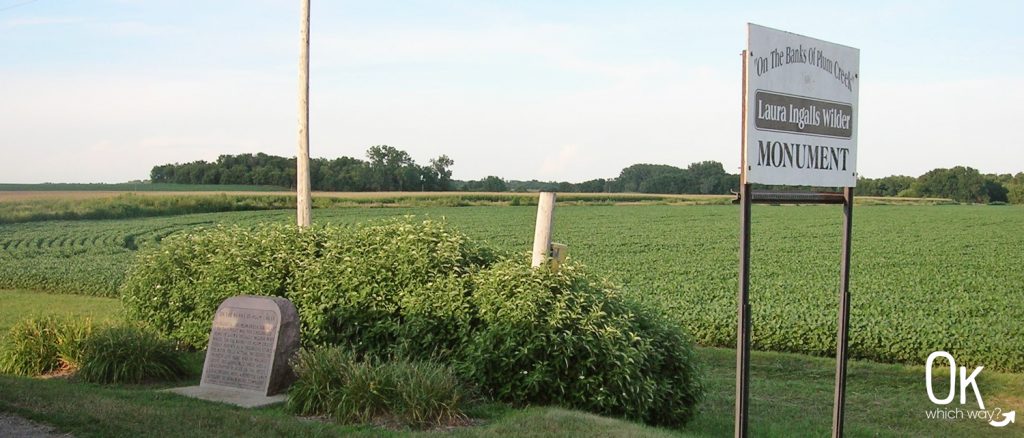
[[887, 186], [705, 177], [1015, 189], [633, 177], [962, 184], [1015, 194], [387, 168], [441, 172], [994, 190], [592, 186], [162, 174], [493, 184], [236, 174]]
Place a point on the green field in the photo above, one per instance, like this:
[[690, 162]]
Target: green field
[[924, 277]]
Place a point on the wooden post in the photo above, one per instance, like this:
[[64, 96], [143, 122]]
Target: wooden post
[[542, 233], [743, 296], [304, 203]]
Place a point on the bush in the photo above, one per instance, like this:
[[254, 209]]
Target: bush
[[362, 285], [422, 291], [37, 346], [563, 338], [127, 354], [332, 382]]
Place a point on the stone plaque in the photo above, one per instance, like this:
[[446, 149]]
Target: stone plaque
[[251, 341]]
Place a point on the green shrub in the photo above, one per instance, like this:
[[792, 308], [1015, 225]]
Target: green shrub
[[564, 338], [37, 346], [362, 285], [333, 382], [423, 291], [128, 354]]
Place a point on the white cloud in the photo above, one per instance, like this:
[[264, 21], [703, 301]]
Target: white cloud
[[41, 21], [911, 128], [115, 128], [411, 45], [134, 28], [557, 161]]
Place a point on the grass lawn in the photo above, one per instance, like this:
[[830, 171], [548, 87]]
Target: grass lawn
[[791, 395], [16, 305]]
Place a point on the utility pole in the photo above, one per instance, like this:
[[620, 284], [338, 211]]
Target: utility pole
[[304, 203]]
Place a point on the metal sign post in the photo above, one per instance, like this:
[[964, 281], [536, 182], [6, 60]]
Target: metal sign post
[[743, 325], [844, 316], [799, 111]]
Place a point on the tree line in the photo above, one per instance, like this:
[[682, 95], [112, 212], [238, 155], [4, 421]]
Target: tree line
[[705, 177], [385, 169], [390, 169], [960, 183]]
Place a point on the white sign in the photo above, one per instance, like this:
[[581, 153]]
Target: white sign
[[801, 120]]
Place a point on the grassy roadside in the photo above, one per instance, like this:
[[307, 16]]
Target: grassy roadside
[[791, 395]]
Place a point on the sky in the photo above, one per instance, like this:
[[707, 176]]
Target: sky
[[101, 91]]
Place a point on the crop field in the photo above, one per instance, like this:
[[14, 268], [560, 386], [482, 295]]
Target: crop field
[[40, 205], [923, 277]]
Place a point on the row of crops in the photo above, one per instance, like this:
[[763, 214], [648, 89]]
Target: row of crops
[[924, 277]]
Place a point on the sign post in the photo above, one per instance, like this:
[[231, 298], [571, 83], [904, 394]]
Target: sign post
[[844, 316], [800, 100]]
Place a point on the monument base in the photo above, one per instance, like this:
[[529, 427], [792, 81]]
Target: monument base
[[245, 399]]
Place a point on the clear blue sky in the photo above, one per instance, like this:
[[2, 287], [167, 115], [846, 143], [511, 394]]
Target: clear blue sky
[[101, 91]]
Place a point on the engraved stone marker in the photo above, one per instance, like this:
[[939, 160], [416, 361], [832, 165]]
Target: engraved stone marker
[[251, 342]]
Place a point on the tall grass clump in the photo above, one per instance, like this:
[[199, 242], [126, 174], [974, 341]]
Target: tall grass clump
[[38, 346], [129, 354], [333, 382]]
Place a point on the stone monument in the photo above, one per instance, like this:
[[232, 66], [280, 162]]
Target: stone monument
[[251, 342]]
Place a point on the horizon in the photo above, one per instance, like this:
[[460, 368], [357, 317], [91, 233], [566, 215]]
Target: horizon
[[102, 92], [609, 178]]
